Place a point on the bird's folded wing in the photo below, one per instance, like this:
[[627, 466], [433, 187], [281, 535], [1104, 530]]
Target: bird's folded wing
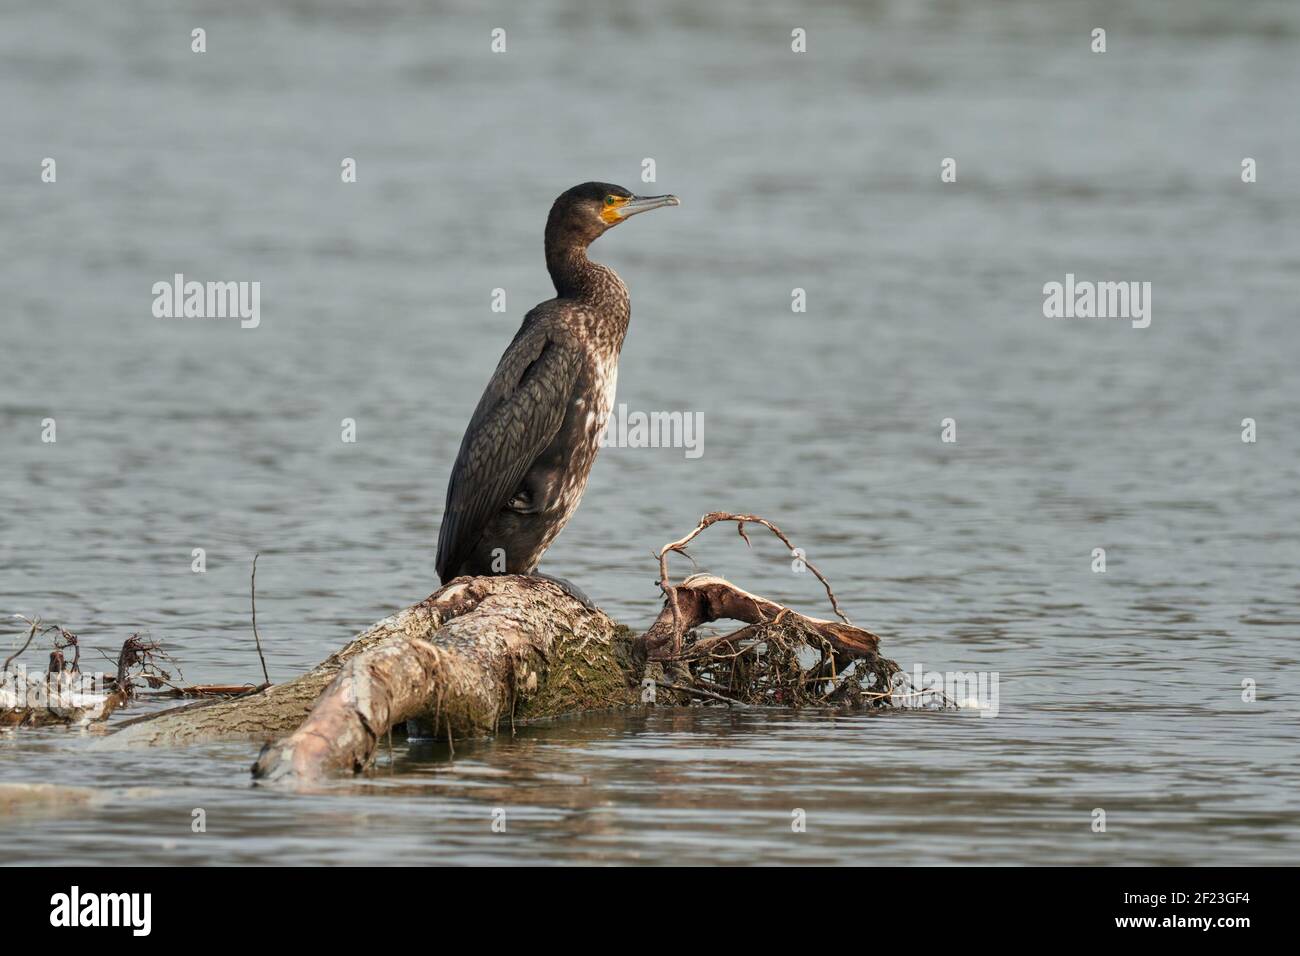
[[520, 412]]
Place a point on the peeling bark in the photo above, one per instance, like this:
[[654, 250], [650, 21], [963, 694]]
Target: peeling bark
[[507, 647], [501, 642]]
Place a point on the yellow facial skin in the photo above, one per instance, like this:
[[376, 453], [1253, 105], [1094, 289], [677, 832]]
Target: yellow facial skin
[[609, 212]]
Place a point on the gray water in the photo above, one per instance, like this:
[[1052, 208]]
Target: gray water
[[1119, 691]]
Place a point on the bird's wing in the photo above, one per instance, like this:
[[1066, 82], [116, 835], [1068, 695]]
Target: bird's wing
[[520, 412]]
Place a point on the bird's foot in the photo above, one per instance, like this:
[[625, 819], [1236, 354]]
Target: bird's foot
[[568, 587]]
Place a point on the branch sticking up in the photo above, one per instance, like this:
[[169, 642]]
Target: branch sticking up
[[252, 595], [32, 627], [712, 518], [765, 662]]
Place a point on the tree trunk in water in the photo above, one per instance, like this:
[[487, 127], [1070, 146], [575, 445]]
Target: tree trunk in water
[[492, 647], [509, 647], [483, 649]]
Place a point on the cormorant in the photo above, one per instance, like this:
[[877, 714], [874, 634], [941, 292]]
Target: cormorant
[[526, 455]]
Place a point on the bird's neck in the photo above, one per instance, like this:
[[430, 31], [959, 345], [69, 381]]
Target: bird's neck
[[577, 277]]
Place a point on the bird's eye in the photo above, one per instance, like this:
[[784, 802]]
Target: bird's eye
[[609, 200]]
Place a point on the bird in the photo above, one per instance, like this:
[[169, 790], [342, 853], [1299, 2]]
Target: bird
[[529, 447]]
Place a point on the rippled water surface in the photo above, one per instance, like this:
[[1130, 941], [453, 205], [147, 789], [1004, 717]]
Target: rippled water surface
[[1120, 691]]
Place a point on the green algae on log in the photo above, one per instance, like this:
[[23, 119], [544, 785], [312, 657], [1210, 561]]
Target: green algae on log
[[508, 647]]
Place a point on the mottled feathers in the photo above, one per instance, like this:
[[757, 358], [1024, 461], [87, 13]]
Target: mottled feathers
[[519, 414]]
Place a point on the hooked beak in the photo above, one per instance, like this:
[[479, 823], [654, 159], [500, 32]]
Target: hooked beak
[[644, 204]]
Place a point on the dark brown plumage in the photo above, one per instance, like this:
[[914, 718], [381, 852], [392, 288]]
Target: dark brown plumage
[[524, 460]]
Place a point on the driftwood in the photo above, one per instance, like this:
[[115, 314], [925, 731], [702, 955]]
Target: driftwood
[[484, 651], [65, 696], [570, 658], [57, 700], [762, 663], [516, 646], [505, 648], [62, 695]]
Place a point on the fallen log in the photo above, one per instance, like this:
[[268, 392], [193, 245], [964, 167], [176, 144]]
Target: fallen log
[[536, 650], [508, 647], [483, 650], [522, 648]]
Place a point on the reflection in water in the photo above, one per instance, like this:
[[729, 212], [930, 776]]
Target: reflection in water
[[707, 786], [1120, 690]]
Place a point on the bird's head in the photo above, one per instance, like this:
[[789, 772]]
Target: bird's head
[[587, 211]]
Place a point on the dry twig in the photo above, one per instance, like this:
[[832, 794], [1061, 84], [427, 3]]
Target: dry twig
[[32, 628], [741, 520], [765, 662], [252, 593]]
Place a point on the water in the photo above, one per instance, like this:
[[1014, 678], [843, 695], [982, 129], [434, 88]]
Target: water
[[1119, 691]]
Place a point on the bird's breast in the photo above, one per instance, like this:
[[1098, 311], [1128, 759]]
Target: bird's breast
[[599, 401]]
